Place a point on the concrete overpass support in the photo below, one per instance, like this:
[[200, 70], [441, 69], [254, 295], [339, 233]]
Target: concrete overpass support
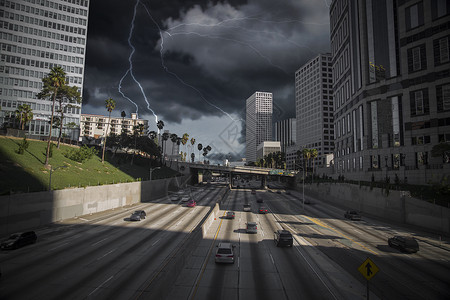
[[230, 180], [200, 176], [264, 182]]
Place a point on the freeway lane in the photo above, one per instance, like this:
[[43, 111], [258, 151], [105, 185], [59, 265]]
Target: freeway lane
[[103, 256], [323, 262]]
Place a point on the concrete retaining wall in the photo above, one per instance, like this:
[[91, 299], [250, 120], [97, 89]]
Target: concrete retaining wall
[[20, 212], [397, 206]]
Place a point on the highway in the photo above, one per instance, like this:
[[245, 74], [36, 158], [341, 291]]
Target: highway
[[105, 256]]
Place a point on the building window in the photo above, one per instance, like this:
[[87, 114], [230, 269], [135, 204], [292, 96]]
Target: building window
[[421, 158], [417, 58], [419, 102], [375, 161], [439, 8], [443, 97], [443, 50], [414, 16]]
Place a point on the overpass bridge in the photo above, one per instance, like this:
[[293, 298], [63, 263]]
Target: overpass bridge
[[197, 170]]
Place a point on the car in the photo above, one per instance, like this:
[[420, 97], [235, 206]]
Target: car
[[283, 238], [230, 215], [278, 192], [136, 216], [263, 210], [247, 207], [288, 192], [352, 215], [174, 197], [18, 240], [191, 203], [141, 212], [252, 227], [225, 253], [260, 200], [253, 192], [406, 244], [185, 199]]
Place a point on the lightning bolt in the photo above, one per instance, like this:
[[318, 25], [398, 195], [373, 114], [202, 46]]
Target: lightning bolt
[[130, 69]]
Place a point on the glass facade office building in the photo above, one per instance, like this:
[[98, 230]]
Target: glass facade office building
[[391, 88], [36, 35]]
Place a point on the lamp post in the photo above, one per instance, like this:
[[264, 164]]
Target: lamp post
[[151, 171], [51, 171], [386, 166]]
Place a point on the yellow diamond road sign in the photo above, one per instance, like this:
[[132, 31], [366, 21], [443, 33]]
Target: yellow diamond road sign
[[368, 269]]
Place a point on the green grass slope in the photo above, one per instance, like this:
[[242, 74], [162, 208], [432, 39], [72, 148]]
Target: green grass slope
[[26, 172]]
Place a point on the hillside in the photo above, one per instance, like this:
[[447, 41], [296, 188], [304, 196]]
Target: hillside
[[26, 172]]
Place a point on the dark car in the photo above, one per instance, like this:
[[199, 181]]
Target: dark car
[[263, 210], [137, 215], [283, 238], [229, 215], [18, 240], [404, 243], [253, 192], [260, 200], [247, 207], [352, 215]]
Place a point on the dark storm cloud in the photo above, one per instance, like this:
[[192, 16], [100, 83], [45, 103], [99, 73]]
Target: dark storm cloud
[[222, 51]]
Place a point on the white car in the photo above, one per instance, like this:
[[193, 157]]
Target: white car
[[225, 253], [185, 199], [174, 197]]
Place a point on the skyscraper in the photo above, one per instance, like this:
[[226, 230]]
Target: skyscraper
[[259, 111], [285, 133], [391, 88], [36, 35], [314, 107]]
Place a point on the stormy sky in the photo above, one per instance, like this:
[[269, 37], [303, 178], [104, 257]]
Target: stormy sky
[[194, 63]]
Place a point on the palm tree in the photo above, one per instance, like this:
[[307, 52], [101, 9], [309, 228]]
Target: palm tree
[[110, 104], [160, 125], [173, 139], [165, 137], [123, 114], [72, 95], [306, 155], [199, 147], [25, 114], [192, 156], [51, 84], [192, 144], [314, 153]]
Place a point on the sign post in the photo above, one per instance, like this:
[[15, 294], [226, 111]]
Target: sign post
[[368, 269]]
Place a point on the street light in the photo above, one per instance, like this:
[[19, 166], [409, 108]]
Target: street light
[[151, 171], [51, 170]]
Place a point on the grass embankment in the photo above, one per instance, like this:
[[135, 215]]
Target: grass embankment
[[26, 172]]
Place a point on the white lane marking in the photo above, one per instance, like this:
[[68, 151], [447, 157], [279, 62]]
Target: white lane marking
[[58, 246], [99, 242], [155, 243], [101, 285], [82, 219], [106, 254], [273, 262]]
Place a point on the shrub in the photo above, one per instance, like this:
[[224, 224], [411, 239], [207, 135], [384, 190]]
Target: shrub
[[82, 154], [23, 146]]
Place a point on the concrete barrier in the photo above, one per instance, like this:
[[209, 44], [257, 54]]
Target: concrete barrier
[[397, 206], [20, 212]]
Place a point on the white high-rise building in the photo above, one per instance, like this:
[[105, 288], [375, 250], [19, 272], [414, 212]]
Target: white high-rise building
[[258, 122], [36, 35], [314, 106]]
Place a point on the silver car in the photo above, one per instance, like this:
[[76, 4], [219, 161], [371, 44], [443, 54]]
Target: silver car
[[225, 253], [252, 227]]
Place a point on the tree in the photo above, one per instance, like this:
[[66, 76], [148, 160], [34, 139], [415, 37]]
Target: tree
[[160, 125], [25, 114], [306, 155], [67, 96], [314, 153], [51, 84], [192, 144], [199, 147], [138, 130], [173, 139], [165, 137], [192, 156], [110, 104]]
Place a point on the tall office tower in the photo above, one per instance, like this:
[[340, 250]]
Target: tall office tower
[[285, 133], [36, 35], [258, 122], [391, 88], [314, 107]]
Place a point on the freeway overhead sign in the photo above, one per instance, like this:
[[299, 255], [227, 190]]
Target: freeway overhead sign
[[368, 269]]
